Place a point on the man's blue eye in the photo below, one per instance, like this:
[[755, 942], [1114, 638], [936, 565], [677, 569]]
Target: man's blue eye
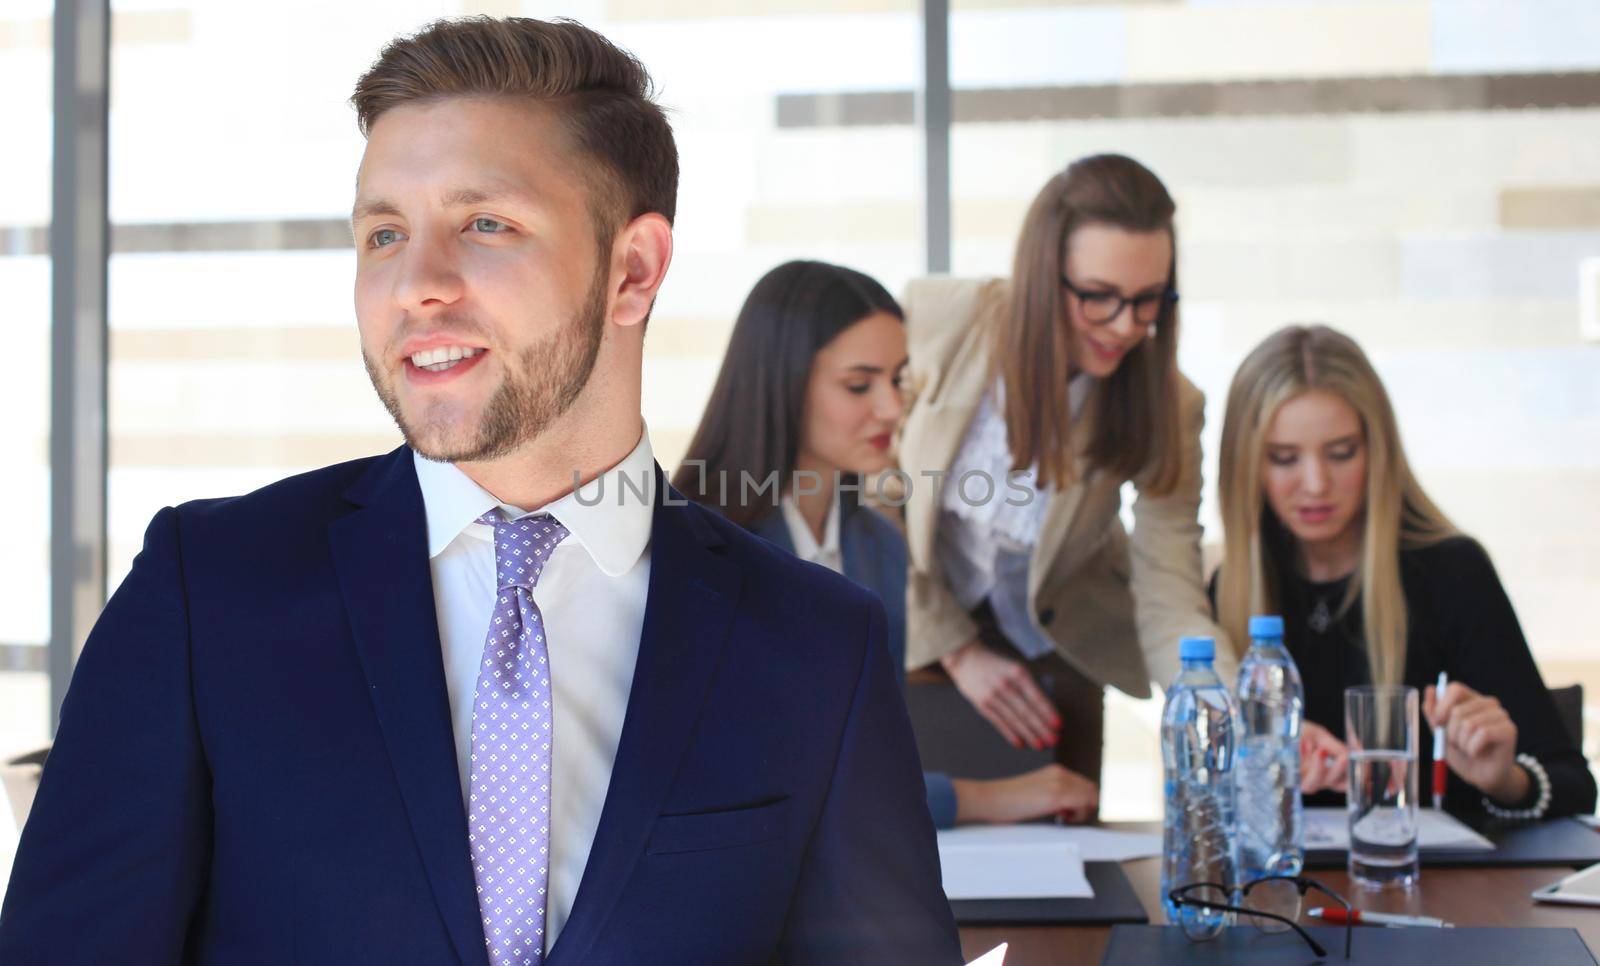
[[384, 236], [487, 225]]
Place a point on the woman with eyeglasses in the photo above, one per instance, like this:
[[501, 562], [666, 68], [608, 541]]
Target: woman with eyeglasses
[[1034, 399], [1326, 524], [807, 399]]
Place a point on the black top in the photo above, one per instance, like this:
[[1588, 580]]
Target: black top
[[1461, 622]]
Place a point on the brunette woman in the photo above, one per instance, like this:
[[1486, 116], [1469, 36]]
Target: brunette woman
[[1036, 399], [802, 410]]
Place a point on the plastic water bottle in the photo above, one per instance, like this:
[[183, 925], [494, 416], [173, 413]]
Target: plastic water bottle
[[1199, 728], [1271, 707]]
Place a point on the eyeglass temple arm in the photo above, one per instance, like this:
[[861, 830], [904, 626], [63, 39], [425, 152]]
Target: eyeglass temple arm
[[1341, 900], [1311, 940]]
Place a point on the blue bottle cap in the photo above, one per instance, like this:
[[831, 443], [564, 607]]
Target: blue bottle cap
[[1266, 625], [1197, 649]]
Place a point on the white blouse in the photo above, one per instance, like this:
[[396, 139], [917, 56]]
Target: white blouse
[[990, 518]]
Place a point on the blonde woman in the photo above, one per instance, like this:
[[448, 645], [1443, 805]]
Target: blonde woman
[[1033, 400], [1326, 525]]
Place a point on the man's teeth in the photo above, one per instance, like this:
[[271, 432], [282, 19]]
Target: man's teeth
[[442, 358]]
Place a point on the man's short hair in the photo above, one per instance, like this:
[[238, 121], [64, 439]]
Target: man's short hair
[[602, 95]]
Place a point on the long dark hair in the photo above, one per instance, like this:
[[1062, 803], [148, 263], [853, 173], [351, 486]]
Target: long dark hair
[[751, 426], [1134, 424]]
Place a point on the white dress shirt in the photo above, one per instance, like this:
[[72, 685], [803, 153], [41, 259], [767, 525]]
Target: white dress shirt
[[989, 526], [827, 553], [592, 596]]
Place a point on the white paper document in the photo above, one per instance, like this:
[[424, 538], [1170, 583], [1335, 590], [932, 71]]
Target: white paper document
[[1093, 844], [1329, 828], [994, 957], [1012, 862]]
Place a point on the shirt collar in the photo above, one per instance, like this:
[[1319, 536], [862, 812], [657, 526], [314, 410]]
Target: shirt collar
[[805, 545], [607, 515]]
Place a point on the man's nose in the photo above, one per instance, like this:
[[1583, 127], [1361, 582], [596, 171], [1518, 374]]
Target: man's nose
[[429, 276]]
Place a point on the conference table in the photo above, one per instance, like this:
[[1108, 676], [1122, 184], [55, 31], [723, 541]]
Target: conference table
[[1497, 896]]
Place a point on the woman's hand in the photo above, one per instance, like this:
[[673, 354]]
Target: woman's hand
[[1051, 790], [1004, 693], [1480, 741], [1323, 760]]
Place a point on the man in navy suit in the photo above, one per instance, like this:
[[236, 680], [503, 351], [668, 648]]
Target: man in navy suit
[[500, 696]]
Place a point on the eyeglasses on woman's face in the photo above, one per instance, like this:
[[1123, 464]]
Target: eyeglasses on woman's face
[[1271, 904], [1101, 306]]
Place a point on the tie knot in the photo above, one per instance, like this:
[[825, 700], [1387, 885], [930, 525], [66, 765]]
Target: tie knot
[[522, 547]]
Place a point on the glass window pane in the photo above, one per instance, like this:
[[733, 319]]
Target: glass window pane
[[25, 76], [763, 181], [234, 352], [1343, 162]]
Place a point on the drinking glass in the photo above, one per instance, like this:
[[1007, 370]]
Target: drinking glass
[[1380, 727]]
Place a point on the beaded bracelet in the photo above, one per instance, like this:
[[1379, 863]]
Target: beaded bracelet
[[1535, 771]]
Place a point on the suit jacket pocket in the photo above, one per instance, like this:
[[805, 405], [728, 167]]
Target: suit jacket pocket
[[726, 829]]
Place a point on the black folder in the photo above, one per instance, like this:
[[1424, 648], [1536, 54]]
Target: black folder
[[1246, 945], [1114, 901], [1564, 842]]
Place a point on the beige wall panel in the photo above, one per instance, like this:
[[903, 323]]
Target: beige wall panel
[[1037, 4], [1278, 271], [686, 337], [990, 218], [286, 343], [1539, 528], [1016, 159], [1557, 147], [836, 164], [871, 222], [129, 28], [1351, 212], [1243, 41], [1550, 208], [617, 10], [247, 398], [287, 450], [1382, 324]]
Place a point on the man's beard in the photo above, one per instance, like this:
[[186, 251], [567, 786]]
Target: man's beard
[[539, 386]]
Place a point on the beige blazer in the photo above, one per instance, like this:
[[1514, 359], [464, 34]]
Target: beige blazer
[[1093, 589]]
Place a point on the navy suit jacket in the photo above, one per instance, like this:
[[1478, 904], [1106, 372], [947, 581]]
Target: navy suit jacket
[[874, 556], [255, 761]]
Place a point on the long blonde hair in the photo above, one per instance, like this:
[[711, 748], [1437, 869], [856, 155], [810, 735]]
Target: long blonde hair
[[1133, 414], [1398, 514]]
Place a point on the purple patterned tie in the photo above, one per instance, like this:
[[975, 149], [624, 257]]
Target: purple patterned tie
[[509, 802]]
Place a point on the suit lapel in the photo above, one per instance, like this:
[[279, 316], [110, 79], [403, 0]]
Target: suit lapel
[[692, 598], [380, 552], [1058, 520], [935, 436]]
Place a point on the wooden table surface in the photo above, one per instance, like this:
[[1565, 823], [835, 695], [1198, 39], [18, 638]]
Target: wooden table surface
[[1496, 896]]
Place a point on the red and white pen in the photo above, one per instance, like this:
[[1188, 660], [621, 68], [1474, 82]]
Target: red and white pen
[[1439, 769], [1336, 916]]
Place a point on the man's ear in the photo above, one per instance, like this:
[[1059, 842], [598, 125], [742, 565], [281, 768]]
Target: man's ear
[[639, 259]]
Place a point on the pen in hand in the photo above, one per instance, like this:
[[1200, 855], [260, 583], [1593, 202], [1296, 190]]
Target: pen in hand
[[1439, 768]]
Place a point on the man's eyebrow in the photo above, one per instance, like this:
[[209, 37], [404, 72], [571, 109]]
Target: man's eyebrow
[[454, 198], [376, 206]]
